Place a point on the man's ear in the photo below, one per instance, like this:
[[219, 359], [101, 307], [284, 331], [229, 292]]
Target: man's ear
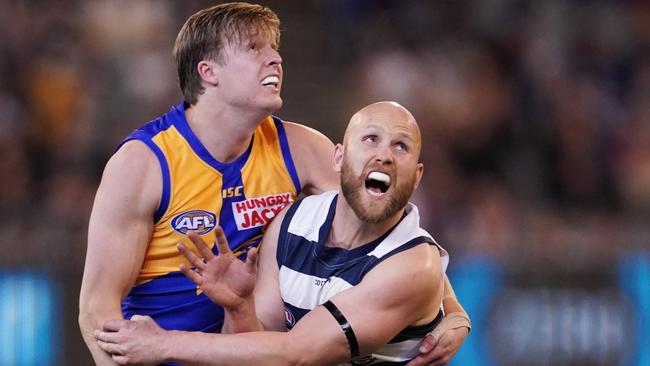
[[208, 72], [419, 172], [337, 158]]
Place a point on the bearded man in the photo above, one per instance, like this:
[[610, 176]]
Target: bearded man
[[343, 277]]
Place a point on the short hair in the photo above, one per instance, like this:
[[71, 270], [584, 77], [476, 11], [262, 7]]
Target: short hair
[[204, 34]]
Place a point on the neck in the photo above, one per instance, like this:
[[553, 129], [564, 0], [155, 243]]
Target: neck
[[224, 131], [348, 231]]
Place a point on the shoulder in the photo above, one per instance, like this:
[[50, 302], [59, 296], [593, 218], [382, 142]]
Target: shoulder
[[131, 157], [312, 153], [424, 258], [133, 171], [307, 140], [420, 265], [298, 130]]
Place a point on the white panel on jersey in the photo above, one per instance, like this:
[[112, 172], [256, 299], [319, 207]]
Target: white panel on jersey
[[409, 228], [399, 352], [306, 291], [311, 215]]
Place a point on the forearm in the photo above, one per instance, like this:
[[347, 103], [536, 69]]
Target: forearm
[[241, 319], [455, 315], [203, 349], [449, 301]]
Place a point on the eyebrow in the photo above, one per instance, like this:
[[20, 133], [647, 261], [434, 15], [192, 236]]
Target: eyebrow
[[402, 134]]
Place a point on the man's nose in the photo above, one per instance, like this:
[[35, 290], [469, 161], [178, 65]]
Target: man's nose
[[273, 56], [384, 154]]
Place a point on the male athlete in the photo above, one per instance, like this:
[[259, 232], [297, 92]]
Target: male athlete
[[350, 273], [219, 157]]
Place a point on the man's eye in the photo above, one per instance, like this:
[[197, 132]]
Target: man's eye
[[252, 46], [370, 138], [401, 146]]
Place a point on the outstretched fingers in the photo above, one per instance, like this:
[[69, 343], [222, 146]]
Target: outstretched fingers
[[201, 246], [191, 257], [192, 275], [222, 242]]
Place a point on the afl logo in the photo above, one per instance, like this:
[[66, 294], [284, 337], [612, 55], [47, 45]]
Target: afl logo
[[288, 316], [198, 220]]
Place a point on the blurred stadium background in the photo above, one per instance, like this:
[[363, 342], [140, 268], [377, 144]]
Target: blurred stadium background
[[536, 123]]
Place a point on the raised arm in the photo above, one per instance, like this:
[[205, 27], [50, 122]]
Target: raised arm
[[312, 154], [377, 309], [118, 233]]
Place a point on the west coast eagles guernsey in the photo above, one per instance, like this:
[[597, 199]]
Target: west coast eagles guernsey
[[311, 273], [198, 193]]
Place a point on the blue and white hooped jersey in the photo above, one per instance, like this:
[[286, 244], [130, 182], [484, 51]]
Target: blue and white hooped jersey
[[311, 273], [199, 193]]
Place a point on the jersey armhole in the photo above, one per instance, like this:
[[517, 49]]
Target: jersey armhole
[[286, 154], [164, 168]]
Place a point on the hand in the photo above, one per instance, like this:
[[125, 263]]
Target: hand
[[437, 349], [138, 341], [225, 279]]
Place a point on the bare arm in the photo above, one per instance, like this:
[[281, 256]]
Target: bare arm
[[449, 300], [447, 338], [118, 233], [268, 300], [317, 338], [312, 154]]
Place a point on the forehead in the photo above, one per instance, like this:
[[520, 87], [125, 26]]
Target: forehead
[[385, 120], [245, 34]]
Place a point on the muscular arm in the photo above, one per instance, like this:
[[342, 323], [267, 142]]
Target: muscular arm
[[317, 338], [118, 233], [312, 154]]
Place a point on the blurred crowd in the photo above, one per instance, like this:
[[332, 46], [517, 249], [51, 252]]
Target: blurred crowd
[[535, 117], [535, 114]]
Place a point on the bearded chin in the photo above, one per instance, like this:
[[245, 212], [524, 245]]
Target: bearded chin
[[372, 212]]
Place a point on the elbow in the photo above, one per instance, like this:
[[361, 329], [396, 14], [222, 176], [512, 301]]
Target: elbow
[[306, 354], [86, 310], [87, 323], [292, 355], [93, 312]]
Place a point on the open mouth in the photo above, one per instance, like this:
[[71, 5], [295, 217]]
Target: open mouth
[[271, 80], [377, 183]]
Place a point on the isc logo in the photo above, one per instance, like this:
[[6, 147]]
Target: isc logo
[[232, 192], [198, 220]]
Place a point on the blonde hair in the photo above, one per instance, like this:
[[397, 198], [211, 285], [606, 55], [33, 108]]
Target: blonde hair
[[204, 34]]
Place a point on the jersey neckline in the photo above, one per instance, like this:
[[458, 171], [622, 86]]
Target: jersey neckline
[[181, 124]]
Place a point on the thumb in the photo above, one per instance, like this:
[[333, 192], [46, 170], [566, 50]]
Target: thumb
[[251, 260]]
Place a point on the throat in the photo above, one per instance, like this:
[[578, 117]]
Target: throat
[[225, 137], [227, 153]]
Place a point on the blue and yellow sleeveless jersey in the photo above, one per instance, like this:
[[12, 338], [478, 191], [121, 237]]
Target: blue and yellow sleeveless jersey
[[198, 193]]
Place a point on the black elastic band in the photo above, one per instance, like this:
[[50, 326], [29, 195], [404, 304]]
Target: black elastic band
[[345, 326]]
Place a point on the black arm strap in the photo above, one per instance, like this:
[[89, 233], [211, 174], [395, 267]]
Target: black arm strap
[[345, 326]]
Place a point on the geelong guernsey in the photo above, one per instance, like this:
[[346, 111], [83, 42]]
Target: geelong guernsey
[[311, 273], [200, 192]]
